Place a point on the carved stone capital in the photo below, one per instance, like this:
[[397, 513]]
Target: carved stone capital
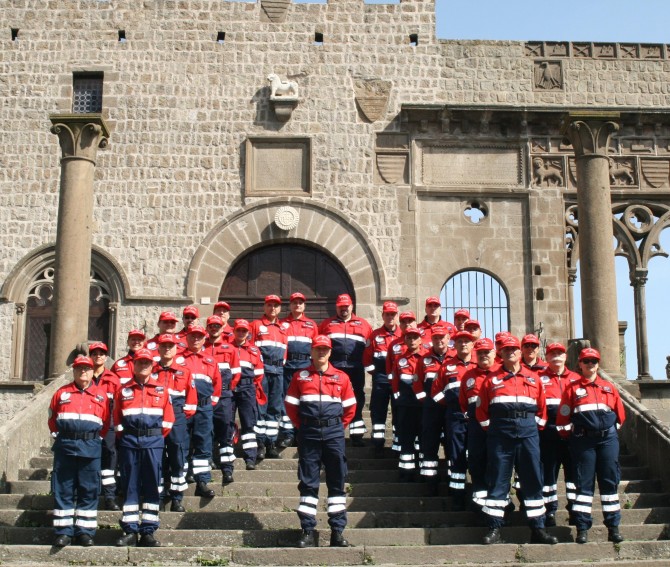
[[80, 135], [572, 276], [20, 308], [638, 278], [590, 133]]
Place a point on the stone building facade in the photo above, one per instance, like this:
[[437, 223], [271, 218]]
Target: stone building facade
[[394, 140]]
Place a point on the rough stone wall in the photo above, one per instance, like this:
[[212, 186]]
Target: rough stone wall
[[180, 106]]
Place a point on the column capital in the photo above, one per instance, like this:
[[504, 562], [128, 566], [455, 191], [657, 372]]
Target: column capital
[[638, 277], [590, 132], [80, 135]]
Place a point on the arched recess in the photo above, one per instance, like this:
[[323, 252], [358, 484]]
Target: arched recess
[[318, 225], [29, 287]]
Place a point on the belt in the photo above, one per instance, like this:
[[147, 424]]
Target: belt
[[298, 356], [244, 381], [202, 402], [598, 433], [79, 436], [150, 432], [278, 362], [514, 414], [321, 422], [225, 388]]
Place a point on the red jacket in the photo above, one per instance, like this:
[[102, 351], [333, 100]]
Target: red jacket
[[124, 368], [299, 336], [447, 387], [205, 372], [272, 341], [471, 384], [407, 390], [428, 371], [349, 338], [228, 362], [251, 370], [179, 382]]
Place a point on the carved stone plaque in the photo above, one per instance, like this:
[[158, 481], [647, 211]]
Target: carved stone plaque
[[494, 165], [372, 96], [278, 166], [547, 76], [655, 172]]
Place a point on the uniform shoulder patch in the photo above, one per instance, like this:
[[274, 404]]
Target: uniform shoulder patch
[[180, 360], [127, 392], [262, 329], [65, 396], [451, 367], [565, 410], [580, 392], [428, 360], [530, 379], [121, 363], [151, 345], [470, 383], [284, 325], [379, 339]]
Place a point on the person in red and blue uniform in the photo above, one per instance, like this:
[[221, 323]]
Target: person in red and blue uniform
[[350, 335], [374, 360], [167, 325], [511, 408], [123, 367], [432, 420], [248, 393], [530, 354], [446, 390], [409, 396], [222, 309], [468, 397], [79, 420], [270, 338], [109, 382], [207, 380], [143, 416], [591, 412], [554, 450], [300, 331], [433, 317], [321, 403], [229, 367], [171, 370]]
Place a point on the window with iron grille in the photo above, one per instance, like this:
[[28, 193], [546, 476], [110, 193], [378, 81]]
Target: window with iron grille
[[480, 293], [87, 93]]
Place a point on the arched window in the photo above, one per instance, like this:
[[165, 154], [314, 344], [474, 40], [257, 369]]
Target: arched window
[[480, 293]]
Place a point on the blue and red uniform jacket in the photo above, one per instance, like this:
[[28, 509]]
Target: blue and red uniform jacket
[[109, 382], [590, 407], [299, 336], [471, 384], [375, 354], [554, 385], [349, 338], [512, 405], [251, 370], [228, 362], [79, 419], [395, 350], [205, 374], [446, 388], [428, 371], [320, 399], [143, 414], [124, 368], [405, 385], [271, 340], [179, 382]]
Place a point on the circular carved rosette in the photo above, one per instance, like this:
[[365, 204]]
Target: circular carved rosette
[[287, 218]]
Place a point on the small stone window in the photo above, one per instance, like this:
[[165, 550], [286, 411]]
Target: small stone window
[[476, 212], [87, 92]]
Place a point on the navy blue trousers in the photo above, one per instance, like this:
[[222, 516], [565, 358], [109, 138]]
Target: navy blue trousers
[[555, 453], [141, 473], [456, 434], [175, 456], [200, 428], [269, 415], [75, 483], [244, 402], [477, 461], [223, 431], [432, 426], [380, 397]]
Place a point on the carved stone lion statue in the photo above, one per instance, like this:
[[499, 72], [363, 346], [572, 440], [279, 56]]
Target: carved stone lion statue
[[621, 173], [546, 173], [282, 89]]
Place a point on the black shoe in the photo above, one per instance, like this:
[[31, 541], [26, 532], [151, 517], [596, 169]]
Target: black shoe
[[177, 506], [613, 535], [271, 451], [493, 536], [251, 466], [307, 539], [227, 478], [261, 453], [201, 489], [357, 441], [286, 442], [62, 541], [337, 540], [110, 504], [549, 520], [148, 540], [84, 540], [539, 535], [190, 479], [126, 540], [582, 536]]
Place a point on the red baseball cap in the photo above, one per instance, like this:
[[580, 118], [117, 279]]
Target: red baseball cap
[[191, 310], [463, 335], [501, 335], [144, 354], [137, 333], [272, 299], [82, 360], [484, 344], [555, 346], [197, 330], [530, 340], [462, 313], [168, 316], [214, 320], [432, 300], [96, 346], [472, 323], [510, 341], [242, 324], [439, 330], [589, 353], [321, 341], [297, 295], [167, 338], [223, 304], [407, 315], [412, 331], [389, 307], [343, 299]]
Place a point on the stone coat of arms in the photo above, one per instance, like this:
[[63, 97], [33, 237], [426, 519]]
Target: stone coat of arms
[[372, 96]]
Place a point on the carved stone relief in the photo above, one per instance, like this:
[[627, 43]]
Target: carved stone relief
[[583, 49], [655, 173], [372, 96], [622, 172], [548, 172], [279, 165], [548, 75], [274, 10], [391, 159]]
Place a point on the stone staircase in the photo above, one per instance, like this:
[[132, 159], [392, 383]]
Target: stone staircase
[[253, 522]]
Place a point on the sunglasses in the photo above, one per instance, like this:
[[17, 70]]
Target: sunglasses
[[590, 361]]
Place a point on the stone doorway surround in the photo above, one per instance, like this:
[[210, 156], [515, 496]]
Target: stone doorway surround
[[301, 220]]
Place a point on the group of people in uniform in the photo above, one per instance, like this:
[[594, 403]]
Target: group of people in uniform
[[496, 407]]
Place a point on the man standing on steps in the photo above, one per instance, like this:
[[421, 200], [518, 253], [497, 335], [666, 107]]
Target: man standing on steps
[[321, 403], [350, 335]]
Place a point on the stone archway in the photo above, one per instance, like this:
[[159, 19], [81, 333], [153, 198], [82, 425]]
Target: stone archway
[[318, 226]]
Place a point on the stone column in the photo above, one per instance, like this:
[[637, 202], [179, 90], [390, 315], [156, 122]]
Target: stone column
[[590, 134], [572, 279], [638, 280], [80, 136]]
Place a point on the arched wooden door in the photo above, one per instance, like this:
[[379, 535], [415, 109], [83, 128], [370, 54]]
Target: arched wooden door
[[284, 269]]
